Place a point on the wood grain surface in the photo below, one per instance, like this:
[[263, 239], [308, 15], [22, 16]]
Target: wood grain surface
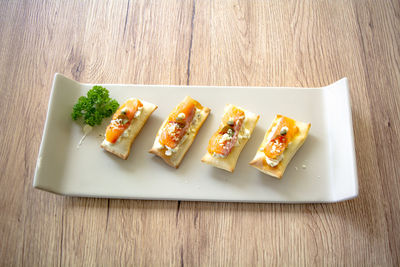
[[248, 43]]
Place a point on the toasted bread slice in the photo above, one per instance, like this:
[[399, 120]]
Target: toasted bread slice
[[260, 161], [175, 156], [228, 163]]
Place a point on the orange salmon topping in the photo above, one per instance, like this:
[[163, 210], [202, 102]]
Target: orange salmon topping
[[225, 138], [121, 119], [284, 131], [178, 123]]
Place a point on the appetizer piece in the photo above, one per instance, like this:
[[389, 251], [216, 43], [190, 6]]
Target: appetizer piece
[[283, 138], [179, 130], [125, 125], [228, 141]]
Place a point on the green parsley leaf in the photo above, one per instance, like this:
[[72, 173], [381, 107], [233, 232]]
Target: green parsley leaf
[[94, 107]]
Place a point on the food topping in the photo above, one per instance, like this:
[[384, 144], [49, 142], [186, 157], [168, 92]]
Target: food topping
[[284, 130], [122, 118], [222, 142], [138, 112], [274, 162], [280, 137], [230, 122], [181, 117], [177, 124]]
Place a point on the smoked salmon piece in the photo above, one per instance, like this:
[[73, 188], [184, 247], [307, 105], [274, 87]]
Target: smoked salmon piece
[[121, 119], [178, 123], [284, 132], [225, 138]]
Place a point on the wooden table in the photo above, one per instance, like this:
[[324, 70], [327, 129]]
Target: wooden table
[[249, 43]]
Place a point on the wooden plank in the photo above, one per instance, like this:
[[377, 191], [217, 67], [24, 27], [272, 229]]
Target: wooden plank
[[248, 43]]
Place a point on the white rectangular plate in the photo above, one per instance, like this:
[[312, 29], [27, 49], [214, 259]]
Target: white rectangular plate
[[323, 170]]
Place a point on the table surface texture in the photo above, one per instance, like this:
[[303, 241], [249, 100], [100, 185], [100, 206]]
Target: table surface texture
[[234, 43]]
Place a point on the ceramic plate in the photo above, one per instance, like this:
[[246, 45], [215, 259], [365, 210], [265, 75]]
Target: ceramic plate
[[323, 170]]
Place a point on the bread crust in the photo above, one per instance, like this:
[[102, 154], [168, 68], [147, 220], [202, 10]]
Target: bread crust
[[259, 161], [122, 147], [175, 159], [229, 163]]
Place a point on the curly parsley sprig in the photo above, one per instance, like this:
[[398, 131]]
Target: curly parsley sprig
[[94, 107]]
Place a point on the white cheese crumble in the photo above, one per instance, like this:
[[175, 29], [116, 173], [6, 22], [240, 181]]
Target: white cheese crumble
[[138, 112], [107, 143], [181, 116], [171, 127], [225, 137], [169, 150], [274, 162], [218, 155]]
